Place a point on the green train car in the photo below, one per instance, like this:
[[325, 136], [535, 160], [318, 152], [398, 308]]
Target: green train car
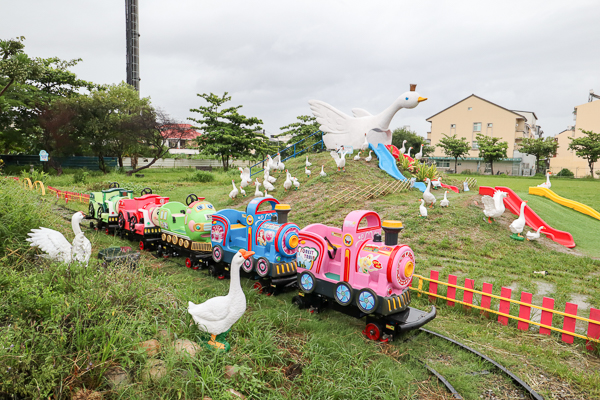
[[103, 207], [185, 230]]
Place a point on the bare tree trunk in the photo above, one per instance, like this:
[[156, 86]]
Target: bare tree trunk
[[120, 160]]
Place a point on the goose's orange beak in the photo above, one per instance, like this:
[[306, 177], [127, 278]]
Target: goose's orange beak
[[246, 254], [422, 99]]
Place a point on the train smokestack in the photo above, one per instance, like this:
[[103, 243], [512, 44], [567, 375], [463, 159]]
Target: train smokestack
[[391, 229], [282, 211]]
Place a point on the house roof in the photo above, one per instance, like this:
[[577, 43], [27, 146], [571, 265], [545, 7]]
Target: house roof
[[179, 131], [480, 98]]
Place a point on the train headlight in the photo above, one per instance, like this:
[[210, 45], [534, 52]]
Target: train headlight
[[293, 242], [409, 268]]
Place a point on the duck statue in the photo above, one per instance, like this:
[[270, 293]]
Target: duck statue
[[419, 155], [427, 195], [357, 157], [288, 181], [342, 128], [369, 157], [494, 206], [546, 184], [323, 173], [257, 193], [445, 202], [422, 209], [534, 235], [403, 149], [233, 194], [307, 163], [217, 315], [518, 224], [57, 247], [307, 172], [340, 160]]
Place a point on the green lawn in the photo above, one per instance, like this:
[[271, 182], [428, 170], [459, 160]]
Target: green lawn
[[59, 321]]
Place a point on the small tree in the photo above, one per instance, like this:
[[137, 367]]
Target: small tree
[[306, 126], [412, 140], [454, 147], [491, 149], [226, 133], [587, 147], [542, 149]]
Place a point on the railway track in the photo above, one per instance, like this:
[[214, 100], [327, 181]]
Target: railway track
[[494, 370]]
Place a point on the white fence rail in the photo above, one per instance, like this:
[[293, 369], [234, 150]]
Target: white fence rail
[[183, 163]]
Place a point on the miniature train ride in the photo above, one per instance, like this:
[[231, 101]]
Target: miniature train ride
[[353, 271], [348, 269]]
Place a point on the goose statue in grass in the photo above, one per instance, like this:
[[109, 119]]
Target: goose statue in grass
[[428, 197], [518, 224], [268, 185], [422, 209], [369, 157], [57, 247], [419, 155], [280, 166], [494, 206], [307, 163], [267, 176], [295, 182], [323, 174], [257, 193], [340, 160], [217, 315], [307, 172], [445, 202], [242, 191], [546, 184], [288, 181], [342, 128], [233, 194], [408, 153], [267, 195], [245, 177], [357, 157], [365, 144], [534, 235], [403, 149]]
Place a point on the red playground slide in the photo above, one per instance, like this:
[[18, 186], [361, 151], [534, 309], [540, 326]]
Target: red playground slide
[[396, 152], [453, 188], [513, 203]]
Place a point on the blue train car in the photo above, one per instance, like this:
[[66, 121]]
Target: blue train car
[[263, 229]]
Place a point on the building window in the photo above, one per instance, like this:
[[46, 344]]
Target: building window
[[475, 145], [477, 127], [452, 126], [443, 163], [490, 125], [470, 108]]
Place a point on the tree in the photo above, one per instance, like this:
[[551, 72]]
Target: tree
[[587, 147], [454, 147], [412, 140], [226, 133], [542, 149], [491, 149], [306, 126]]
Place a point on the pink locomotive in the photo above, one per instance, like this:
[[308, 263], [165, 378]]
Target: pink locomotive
[[138, 218], [363, 275]]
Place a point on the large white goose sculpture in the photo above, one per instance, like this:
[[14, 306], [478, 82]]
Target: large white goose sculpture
[[217, 315], [546, 184], [494, 206], [341, 128], [427, 196], [518, 224], [57, 247]]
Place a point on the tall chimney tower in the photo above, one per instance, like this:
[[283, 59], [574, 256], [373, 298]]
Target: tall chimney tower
[[133, 43]]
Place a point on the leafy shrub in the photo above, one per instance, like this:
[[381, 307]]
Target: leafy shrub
[[424, 171], [36, 175], [201, 176], [565, 172], [80, 176]]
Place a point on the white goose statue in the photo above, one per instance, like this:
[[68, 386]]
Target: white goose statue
[[357, 157], [288, 181], [369, 157], [323, 174], [257, 193], [518, 224], [57, 247], [307, 163], [340, 160], [422, 209], [233, 194], [546, 184], [307, 172], [408, 154], [268, 185], [217, 315], [342, 128], [419, 155], [427, 195], [403, 149], [534, 235], [445, 202], [365, 144], [494, 206], [245, 177], [267, 176]]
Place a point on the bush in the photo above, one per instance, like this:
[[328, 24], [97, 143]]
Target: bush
[[565, 172], [80, 176], [201, 176]]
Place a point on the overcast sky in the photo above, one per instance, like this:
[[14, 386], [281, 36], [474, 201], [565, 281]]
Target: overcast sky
[[274, 56]]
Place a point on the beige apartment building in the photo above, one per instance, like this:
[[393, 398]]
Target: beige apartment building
[[474, 115], [587, 118]]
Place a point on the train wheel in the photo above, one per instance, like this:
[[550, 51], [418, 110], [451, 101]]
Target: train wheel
[[142, 245], [258, 287], [159, 251], [299, 301], [217, 254], [188, 262], [306, 282], [248, 264], [91, 211], [92, 225], [121, 221], [367, 301], [373, 331], [262, 267], [214, 270], [343, 293]]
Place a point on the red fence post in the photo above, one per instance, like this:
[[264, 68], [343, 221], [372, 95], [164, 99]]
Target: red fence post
[[486, 301], [451, 290], [593, 329], [468, 296], [433, 286], [524, 311], [546, 319], [569, 323], [504, 305]]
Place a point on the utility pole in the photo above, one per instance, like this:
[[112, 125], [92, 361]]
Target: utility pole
[[133, 43], [592, 96]]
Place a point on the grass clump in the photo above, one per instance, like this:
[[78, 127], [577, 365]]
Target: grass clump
[[200, 176]]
